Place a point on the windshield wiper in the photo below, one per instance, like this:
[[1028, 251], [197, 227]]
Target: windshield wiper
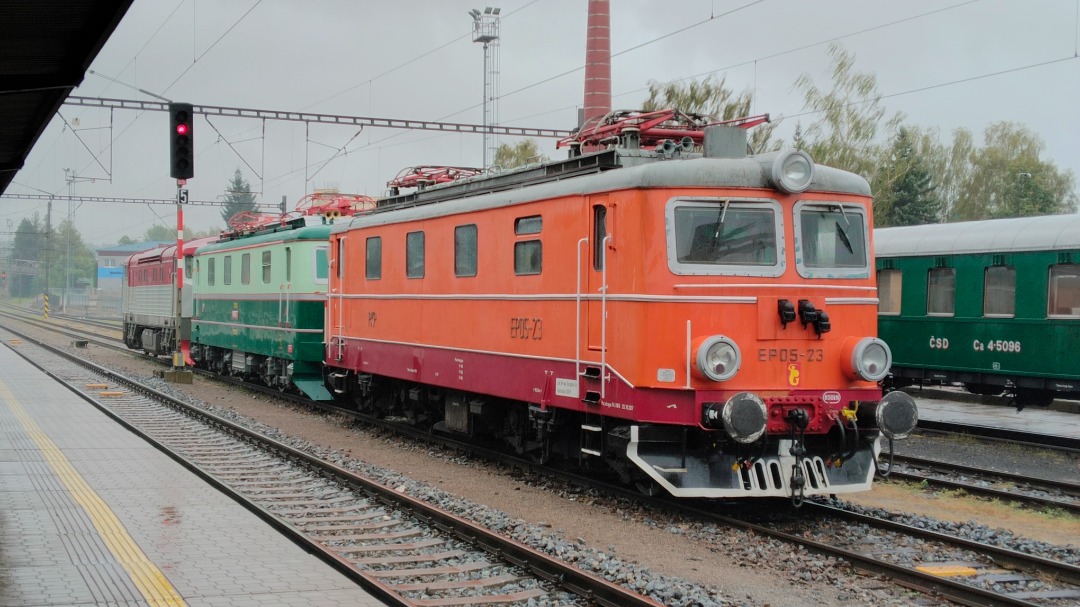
[[843, 237]]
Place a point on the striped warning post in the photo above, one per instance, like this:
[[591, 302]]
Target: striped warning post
[[46, 306]]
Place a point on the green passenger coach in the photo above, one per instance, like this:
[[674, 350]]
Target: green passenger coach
[[992, 304], [260, 304]]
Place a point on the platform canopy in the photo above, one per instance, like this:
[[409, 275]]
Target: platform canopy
[[46, 46]]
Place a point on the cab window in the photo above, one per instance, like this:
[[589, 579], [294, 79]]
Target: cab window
[[831, 240], [724, 237]]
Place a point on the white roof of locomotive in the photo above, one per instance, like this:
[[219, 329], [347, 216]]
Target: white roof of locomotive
[[1046, 233]]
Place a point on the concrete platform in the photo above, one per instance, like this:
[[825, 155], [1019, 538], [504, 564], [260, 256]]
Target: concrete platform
[[1032, 420], [92, 515]]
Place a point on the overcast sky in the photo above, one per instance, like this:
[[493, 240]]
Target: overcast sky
[[934, 62]]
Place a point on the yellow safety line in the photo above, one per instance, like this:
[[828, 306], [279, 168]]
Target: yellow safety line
[[150, 581]]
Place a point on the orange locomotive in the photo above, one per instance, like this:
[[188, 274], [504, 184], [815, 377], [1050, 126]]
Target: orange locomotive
[[700, 321]]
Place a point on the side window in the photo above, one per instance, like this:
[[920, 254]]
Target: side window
[[288, 264], [889, 283], [999, 291], [528, 225], [599, 234], [210, 271], [227, 264], [245, 268], [465, 250], [528, 257], [1064, 296], [266, 267], [373, 261], [528, 254], [189, 264], [322, 265], [941, 292], [414, 255]]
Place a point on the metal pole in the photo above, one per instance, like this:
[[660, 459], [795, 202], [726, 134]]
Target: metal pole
[[48, 245], [486, 123], [178, 353]]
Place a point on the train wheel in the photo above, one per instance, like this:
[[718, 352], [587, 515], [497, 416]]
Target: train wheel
[[647, 486]]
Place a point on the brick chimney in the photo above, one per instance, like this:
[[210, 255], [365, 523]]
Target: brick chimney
[[598, 62]]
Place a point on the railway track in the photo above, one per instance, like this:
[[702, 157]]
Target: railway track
[[982, 574], [1036, 493], [402, 549], [104, 334]]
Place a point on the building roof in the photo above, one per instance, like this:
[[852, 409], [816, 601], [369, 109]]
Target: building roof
[[45, 50], [135, 247], [1046, 233]]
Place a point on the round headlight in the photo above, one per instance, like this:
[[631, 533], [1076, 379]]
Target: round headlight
[[718, 358], [871, 359], [792, 171]]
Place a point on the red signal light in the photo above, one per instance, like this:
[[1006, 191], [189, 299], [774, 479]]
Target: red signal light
[[181, 129]]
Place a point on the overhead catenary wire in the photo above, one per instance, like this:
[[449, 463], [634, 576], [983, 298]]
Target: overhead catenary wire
[[195, 60], [754, 61]]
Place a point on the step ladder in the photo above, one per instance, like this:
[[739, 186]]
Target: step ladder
[[592, 436]]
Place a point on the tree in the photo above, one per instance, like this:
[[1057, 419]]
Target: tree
[[852, 120], [126, 240], [949, 165], [524, 152], [162, 233], [911, 199], [238, 197], [1007, 178], [29, 245], [712, 98], [73, 261]]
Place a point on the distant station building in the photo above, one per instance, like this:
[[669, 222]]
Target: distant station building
[[110, 271]]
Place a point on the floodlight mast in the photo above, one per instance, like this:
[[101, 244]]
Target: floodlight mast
[[486, 31]]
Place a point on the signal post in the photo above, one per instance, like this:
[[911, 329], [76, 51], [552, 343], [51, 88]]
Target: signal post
[[181, 168]]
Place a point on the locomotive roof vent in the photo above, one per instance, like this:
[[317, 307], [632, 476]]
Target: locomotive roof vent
[[722, 141]]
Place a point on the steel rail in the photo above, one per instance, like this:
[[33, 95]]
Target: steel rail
[[1070, 489], [1028, 562]]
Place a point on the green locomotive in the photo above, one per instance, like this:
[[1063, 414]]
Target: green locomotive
[[992, 304], [259, 304]]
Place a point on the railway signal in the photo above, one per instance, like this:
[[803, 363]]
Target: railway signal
[[181, 148]]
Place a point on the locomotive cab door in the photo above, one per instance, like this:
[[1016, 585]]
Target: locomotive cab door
[[597, 270], [335, 313]]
